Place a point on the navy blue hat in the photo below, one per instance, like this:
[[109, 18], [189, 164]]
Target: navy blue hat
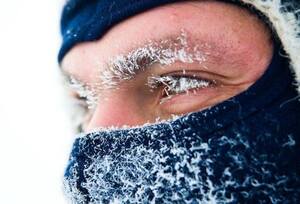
[[88, 20]]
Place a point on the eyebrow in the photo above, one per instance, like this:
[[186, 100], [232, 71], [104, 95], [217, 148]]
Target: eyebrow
[[122, 67], [125, 67], [165, 52]]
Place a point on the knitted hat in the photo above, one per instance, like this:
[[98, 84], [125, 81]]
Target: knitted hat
[[89, 20]]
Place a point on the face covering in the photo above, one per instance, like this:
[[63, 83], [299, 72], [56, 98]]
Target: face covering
[[244, 150]]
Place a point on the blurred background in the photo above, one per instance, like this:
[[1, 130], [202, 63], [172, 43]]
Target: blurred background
[[35, 132]]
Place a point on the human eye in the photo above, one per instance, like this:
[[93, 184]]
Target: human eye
[[176, 84], [184, 92]]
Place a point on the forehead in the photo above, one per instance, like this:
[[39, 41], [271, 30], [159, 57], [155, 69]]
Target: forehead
[[220, 25]]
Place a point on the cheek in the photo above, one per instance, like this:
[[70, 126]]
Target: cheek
[[128, 106]]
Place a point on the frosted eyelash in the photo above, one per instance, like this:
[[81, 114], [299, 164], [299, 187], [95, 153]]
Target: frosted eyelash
[[84, 92], [178, 84]]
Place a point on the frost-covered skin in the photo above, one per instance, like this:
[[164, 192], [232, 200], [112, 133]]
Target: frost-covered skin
[[236, 46]]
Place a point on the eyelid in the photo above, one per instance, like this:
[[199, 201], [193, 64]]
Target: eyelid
[[190, 75], [179, 83]]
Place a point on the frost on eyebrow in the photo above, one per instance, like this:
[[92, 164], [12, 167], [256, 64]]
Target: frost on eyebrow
[[165, 52]]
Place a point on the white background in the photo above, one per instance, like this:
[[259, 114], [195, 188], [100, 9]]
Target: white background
[[35, 133]]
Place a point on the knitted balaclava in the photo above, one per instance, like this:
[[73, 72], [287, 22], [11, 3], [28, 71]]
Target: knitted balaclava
[[243, 150]]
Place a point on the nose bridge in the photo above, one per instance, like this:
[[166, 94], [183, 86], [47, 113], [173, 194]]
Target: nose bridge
[[116, 110]]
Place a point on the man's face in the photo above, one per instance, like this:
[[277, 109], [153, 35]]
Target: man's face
[[171, 60]]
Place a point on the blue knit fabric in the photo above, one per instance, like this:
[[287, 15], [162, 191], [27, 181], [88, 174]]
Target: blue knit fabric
[[244, 150]]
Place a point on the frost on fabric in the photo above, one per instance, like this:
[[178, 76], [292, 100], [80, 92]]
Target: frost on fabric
[[176, 162]]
